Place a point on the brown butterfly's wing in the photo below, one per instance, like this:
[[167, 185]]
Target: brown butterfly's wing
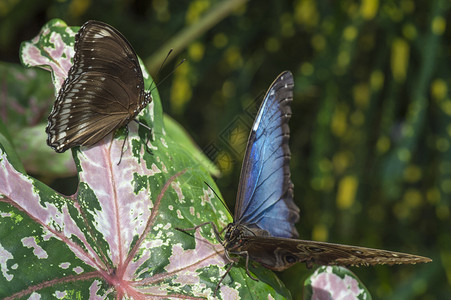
[[104, 89], [281, 253]]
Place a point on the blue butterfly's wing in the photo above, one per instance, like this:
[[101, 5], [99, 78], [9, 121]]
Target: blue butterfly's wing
[[265, 193]]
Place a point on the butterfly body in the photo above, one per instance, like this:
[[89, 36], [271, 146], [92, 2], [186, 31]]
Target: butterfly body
[[104, 89]]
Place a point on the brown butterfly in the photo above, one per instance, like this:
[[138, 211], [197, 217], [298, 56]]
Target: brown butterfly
[[278, 253], [104, 89], [263, 228]]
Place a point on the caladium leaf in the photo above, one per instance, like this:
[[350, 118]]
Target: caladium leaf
[[51, 50], [25, 102], [333, 282], [115, 237]]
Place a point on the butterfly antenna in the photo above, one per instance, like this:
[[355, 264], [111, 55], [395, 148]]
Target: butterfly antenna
[[161, 67], [218, 197], [167, 76], [170, 74], [165, 59]]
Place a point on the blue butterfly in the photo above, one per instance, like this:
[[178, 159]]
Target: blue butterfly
[[263, 228]]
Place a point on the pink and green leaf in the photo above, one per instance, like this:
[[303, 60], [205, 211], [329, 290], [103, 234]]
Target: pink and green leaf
[[333, 282], [115, 236]]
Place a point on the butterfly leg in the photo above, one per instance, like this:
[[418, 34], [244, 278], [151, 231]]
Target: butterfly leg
[[123, 144], [223, 276], [149, 135], [147, 141], [245, 253], [233, 261]]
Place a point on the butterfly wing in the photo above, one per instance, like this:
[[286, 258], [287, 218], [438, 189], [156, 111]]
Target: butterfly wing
[[104, 89], [265, 192], [280, 253], [265, 200]]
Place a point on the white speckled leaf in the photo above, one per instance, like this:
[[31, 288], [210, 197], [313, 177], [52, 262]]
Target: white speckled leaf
[[115, 236], [333, 282], [50, 50]]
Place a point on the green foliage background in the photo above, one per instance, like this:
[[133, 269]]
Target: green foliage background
[[371, 124]]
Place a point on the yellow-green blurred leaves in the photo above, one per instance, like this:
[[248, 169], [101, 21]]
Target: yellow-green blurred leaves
[[408, 6], [350, 33], [320, 233], [446, 185], [442, 211], [287, 25], [196, 9], [220, 40], [403, 154], [225, 162], [343, 59], [399, 60], [439, 89], [446, 258], [438, 25], [433, 196], [393, 11], [339, 122], [368, 8], [79, 7], [412, 173], [196, 51], [7, 6], [361, 93], [383, 144], [305, 13], [409, 31], [307, 69], [325, 180], [442, 144], [347, 189], [377, 80], [446, 106], [162, 10], [272, 44], [181, 88], [233, 58], [228, 89], [412, 200], [318, 42], [342, 161]]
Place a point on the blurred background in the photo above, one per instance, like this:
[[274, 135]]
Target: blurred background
[[371, 123]]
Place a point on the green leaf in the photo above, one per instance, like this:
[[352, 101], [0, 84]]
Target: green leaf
[[115, 236], [7, 146], [176, 131]]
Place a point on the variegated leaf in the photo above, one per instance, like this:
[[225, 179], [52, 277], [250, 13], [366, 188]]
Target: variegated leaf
[[333, 282], [115, 237]]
